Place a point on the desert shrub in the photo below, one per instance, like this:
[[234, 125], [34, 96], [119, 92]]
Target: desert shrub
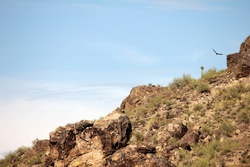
[[197, 107], [11, 158], [167, 102], [226, 127], [227, 98], [204, 162], [3, 163], [206, 129], [185, 157], [139, 136], [14, 157], [141, 111], [227, 146], [202, 87], [21, 150], [154, 102], [174, 142], [160, 120], [234, 92], [128, 112], [209, 153], [206, 154], [178, 83], [243, 115], [154, 140], [35, 160], [209, 74], [223, 105]]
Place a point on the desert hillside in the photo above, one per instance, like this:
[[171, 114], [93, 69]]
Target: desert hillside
[[191, 122]]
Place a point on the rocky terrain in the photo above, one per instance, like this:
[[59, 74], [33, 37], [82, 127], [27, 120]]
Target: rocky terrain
[[191, 122], [239, 63]]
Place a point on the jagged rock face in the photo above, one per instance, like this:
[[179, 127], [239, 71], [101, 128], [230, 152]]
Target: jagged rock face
[[102, 143], [239, 63], [87, 143]]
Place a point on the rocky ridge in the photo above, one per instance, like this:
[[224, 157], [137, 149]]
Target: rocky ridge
[[191, 122], [168, 126]]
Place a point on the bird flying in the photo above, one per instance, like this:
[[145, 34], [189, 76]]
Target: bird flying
[[217, 53]]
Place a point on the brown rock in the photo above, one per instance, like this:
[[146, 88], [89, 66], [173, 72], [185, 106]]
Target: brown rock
[[191, 137], [140, 156], [91, 159], [87, 143], [114, 131], [177, 129], [239, 63]]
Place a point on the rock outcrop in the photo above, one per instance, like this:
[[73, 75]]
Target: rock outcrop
[[88, 143], [191, 137], [139, 96], [239, 63], [100, 143], [177, 129]]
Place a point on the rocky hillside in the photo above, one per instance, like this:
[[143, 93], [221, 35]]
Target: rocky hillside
[[191, 122], [194, 122]]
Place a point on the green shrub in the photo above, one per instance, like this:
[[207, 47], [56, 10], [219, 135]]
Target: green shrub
[[197, 107], [234, 92], [154, 102], [21, 150], [13, 158], [209, 153], [203, 162], [206, 129], [244, 115], [209, 74], [186, 158], [226, 127], [128, 112], [139, 136], [174, 142], [228, 146], [179, 83], [3, 163], [206, 153], [202, 88], [35, 160]]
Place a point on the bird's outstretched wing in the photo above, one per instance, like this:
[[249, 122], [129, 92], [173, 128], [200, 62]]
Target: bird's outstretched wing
[[214, 51], [217, 53]]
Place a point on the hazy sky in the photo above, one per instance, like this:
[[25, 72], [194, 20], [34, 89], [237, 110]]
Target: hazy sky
[[62, 61]]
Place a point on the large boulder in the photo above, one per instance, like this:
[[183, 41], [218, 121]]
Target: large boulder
[[239, 63], [87, 143], [191, 137], [177, 129]]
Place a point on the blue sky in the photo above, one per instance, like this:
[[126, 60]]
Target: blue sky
[[62, 61]]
